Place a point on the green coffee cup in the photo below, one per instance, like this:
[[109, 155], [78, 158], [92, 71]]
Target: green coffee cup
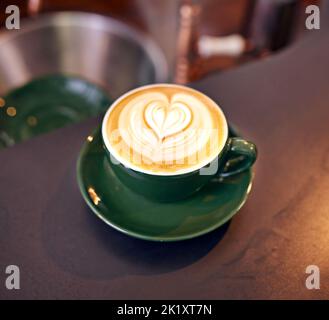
[[234, 156]]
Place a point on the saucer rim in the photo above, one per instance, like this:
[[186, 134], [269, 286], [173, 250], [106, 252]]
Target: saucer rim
[[140, 235]]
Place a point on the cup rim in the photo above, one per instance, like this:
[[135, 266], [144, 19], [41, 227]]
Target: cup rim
[[128, 165]]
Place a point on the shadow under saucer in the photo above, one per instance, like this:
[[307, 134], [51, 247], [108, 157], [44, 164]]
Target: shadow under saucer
[[80, 243]]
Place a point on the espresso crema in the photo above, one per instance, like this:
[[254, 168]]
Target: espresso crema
[[165, 129]]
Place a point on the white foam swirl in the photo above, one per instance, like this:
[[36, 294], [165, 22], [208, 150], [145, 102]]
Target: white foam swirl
[[166, 128]]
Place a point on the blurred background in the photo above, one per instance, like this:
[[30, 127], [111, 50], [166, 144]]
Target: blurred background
[[229, 32], [121, 44]]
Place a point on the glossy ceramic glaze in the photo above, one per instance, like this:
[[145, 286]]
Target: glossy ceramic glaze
[[138, 216], [48, 103], [231, 156]]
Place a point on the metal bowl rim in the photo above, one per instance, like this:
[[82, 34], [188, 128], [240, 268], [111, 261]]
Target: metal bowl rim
[[100, 22]]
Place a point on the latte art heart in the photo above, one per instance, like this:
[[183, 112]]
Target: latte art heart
[[166, 129], [167, 119]]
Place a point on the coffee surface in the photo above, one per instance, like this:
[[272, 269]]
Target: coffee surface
[[165, 129]]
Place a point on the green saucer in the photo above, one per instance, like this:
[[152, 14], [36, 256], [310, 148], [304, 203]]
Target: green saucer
[[140, 217], [48, 103]]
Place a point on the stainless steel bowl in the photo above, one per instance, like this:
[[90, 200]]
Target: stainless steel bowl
[[92, 46]]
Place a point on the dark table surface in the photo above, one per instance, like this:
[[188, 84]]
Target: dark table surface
[[64, 251]]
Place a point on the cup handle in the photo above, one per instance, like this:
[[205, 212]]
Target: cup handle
[[241, 155]]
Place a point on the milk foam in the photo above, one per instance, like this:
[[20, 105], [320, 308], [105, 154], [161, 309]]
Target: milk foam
[[166, 129]]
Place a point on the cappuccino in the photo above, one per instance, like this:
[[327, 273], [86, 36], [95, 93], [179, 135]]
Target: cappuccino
[[165, 129]]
